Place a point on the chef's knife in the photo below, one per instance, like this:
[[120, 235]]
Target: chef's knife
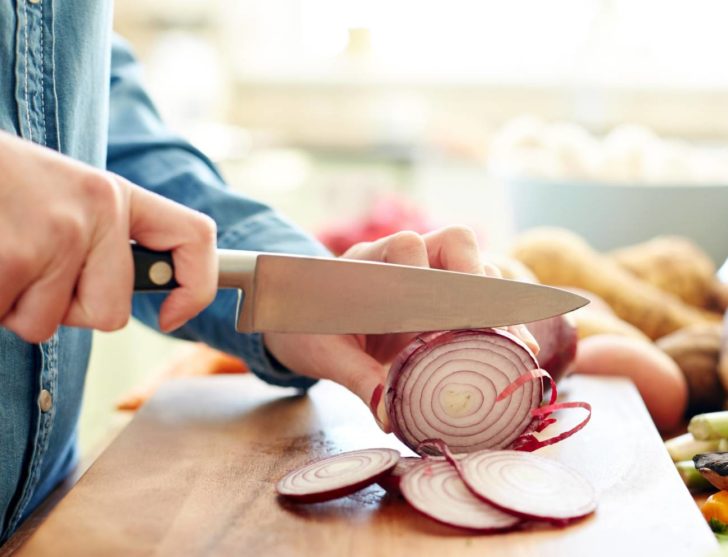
[[290, 293]]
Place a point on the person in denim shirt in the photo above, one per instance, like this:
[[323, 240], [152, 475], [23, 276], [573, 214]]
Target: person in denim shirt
[[86, 164]]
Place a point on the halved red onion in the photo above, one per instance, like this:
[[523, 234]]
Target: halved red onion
[[446, 385], [337, 476], [436, 490], [557, 339], [528, 485]]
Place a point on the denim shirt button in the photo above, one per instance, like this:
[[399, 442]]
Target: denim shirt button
[[45, 400]]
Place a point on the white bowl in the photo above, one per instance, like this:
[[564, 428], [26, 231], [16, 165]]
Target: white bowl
[[614, 215]]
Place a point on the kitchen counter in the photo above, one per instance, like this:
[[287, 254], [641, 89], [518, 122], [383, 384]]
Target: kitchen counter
[[194, 474]]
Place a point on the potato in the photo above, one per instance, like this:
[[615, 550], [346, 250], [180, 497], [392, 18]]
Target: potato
[[590, 322], [676, 265], [561, 258], [656, 376], [696, 350], [596, 303]]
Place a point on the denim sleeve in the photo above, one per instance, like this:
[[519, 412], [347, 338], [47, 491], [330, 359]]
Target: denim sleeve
[[145, 152]]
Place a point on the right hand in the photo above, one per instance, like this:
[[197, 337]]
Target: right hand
[[64, 245]]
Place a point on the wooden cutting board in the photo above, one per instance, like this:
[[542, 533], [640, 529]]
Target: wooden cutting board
[[193, 474]]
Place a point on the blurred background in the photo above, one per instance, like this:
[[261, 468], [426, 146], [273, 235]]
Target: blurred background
[[356, 118]]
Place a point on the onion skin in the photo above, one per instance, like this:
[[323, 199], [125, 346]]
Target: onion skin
[[505, 348], [557, 337]]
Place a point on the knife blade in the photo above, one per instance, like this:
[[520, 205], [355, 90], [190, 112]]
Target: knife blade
[[290, 293]]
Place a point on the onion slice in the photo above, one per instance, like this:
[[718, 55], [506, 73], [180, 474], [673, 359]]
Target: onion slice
[[528, 485], [446, 385], [436, 490], [391, 480], [337, 476]]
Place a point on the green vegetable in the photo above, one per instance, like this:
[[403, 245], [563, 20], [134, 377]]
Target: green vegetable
[[713, 425], [685, 447], [693, 479], [718, 526]]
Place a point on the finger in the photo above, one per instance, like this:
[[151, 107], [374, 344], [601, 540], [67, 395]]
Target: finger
[[454, 248], [402, 248], [42, 306], [17, 272], [160, 224], [491, 270], [103, 293], [522, 332], [364, 376]]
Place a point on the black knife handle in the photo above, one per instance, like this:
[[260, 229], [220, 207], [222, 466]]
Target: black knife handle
[[153, 270]]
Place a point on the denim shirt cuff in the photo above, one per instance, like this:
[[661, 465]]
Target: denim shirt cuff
[[265, 366]]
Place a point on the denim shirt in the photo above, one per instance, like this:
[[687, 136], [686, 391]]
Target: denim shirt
[[66, 83]]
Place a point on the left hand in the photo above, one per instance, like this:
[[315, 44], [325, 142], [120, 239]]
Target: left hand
[[359, 362]]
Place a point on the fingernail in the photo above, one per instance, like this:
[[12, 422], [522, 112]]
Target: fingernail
[[378, 409], [167, 326]]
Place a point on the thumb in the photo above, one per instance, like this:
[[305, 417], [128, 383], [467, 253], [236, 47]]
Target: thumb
[[365, 376]]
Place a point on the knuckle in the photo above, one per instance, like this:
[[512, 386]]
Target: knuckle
[[112, 315], [18, 265], [111, 321], [206, 228], [461, 234], [33, 330], [67, 230], [405, 241], [102, 191]]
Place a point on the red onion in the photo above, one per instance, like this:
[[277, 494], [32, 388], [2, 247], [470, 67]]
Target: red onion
[[472, 389], [337, 475], [557, 339], [527, 485], [436, 490], [445, 386]]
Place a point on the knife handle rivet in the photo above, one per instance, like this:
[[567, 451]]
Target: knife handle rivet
[[160, 273]]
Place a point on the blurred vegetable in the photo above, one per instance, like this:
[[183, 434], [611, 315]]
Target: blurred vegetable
[[190, 360], [528, 147], [693, 479], [685, 447], [696, 349], [388, 215], [715, 508], [714, 468], [713, 425], [656, 376], [678, 266], [559, 257], [590, 322], [723, 360]]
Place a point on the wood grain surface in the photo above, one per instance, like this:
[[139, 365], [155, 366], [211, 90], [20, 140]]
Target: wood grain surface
[[194, 474]]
